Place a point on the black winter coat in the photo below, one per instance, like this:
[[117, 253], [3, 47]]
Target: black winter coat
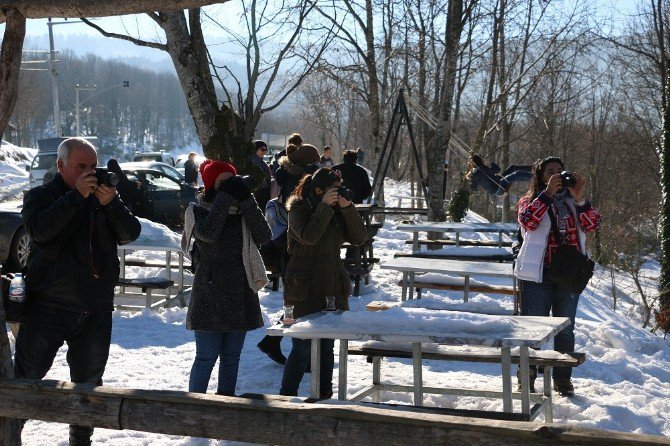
[[355, 178], [73, 262], [221, 299]]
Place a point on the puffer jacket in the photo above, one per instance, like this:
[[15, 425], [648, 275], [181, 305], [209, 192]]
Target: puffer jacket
[[73, 262], [288, 175], [221, 299], [315, 270]]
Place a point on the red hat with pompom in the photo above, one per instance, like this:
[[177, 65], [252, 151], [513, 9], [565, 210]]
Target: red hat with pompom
[[211, 169]]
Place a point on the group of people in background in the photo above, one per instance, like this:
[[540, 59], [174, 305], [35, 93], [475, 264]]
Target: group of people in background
[[76, 223], [230, 233]]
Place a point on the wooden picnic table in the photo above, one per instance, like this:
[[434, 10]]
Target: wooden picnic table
[[419, 326], [457, 228], [168, 250], [409, 266]]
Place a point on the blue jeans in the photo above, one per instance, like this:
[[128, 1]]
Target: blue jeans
[[538, 299], [87, 335], [210, 345], [296, 365]]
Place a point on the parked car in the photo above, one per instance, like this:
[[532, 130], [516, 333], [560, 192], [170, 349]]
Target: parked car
[[14, 239], [165, 198], [155, 165], [162, 156]]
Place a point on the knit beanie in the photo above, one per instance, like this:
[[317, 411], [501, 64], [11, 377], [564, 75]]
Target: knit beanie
[[304, 155], [211, 169]]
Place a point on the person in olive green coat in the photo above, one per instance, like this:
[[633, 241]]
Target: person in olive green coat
[[320, 220]]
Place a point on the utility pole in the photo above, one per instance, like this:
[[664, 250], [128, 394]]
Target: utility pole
[[77, 89], [54, 75]]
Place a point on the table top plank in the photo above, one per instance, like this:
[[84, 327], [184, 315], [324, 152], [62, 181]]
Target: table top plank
[[426, 326], [449, 266], [453, 226]]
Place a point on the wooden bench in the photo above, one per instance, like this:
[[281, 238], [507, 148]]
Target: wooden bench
[[444, 242], [540, 358], [274, 274], [147, 285], [394, 210], [479, 288], [481, 257]]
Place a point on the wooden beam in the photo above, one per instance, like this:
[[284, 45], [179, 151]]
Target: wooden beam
[[40, 9], [280, 420]]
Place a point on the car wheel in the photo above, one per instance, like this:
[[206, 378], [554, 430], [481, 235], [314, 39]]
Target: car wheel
[[18, 252]]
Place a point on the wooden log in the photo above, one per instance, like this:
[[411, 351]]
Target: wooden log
[[280, 421]]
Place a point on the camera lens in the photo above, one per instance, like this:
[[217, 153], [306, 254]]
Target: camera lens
[[568, 179]]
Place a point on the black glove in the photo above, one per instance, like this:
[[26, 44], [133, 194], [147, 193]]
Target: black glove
[[236, 188]]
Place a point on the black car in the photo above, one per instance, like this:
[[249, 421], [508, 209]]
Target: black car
[[14, 239], [164, 198]]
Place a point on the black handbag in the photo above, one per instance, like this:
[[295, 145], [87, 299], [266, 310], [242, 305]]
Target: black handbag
[[14, 311], [569, 268]]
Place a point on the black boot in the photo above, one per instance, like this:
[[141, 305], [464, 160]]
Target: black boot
[[80, 435], [564, 387], [271, 346], [532, 376]]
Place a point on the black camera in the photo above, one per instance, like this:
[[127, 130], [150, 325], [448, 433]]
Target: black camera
[[345, 193], [105, 177], [568, 179], [249, 181]]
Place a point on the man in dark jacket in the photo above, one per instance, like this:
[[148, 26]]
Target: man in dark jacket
[[354, 176], [191, 170], [76, 225]]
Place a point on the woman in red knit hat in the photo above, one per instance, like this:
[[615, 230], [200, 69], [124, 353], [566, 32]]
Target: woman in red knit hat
[[227, 226]]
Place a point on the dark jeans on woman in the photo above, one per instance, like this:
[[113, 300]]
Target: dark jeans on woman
[[87, 335], [296, 365], [539, 299], [210, 345]]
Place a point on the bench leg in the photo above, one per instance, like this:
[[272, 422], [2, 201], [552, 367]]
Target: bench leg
[[275, 284], [149, 299], [525, 379], [405, 280], [466, 288], [342, 371], [418, 373], [357, 285], [548, 408], [376, 378], [507, 379], [411, 285], [316, 368]]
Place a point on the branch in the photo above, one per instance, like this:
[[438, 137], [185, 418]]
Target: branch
[[159, 46]]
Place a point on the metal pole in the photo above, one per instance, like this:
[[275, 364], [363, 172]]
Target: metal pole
[[54, 81], [76, 108]]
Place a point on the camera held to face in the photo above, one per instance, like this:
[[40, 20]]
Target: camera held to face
[[568, 178], [105, 177], [345, 193]]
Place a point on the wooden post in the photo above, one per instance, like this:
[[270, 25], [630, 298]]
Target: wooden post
[[10, 427], [281, 420]]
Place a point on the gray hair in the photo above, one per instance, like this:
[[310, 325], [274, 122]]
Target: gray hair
[[66, 147]]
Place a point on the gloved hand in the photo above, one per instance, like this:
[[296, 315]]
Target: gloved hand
[[235, 187]]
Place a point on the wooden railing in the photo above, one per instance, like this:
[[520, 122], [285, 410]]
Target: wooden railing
[[280, 420]]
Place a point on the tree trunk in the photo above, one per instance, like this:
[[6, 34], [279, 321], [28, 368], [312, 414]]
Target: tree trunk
[[41, 9], [10, 63], [664, 280], [10, 427], [435, 150], [220, 130]]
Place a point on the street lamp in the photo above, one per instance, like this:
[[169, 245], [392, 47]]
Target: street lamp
[[77, 89]]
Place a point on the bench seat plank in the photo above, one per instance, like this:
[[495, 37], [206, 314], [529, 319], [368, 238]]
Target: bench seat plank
[[474, 287], [542, 358]]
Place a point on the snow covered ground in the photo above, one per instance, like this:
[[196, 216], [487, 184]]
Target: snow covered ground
[[624, 384]]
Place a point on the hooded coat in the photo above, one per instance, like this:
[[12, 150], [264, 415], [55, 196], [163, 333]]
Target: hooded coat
[[221, 299], [316, 232]]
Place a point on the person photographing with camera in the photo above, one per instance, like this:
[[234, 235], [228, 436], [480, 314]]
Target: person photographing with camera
[[227, 227], [76, 221], [321, 217], [554, 217]]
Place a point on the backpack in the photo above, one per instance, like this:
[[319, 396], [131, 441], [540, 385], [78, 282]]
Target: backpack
[[276, 216]]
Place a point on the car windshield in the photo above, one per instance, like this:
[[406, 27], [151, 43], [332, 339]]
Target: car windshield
[[44, 161], [172, 172], [147, 158]]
